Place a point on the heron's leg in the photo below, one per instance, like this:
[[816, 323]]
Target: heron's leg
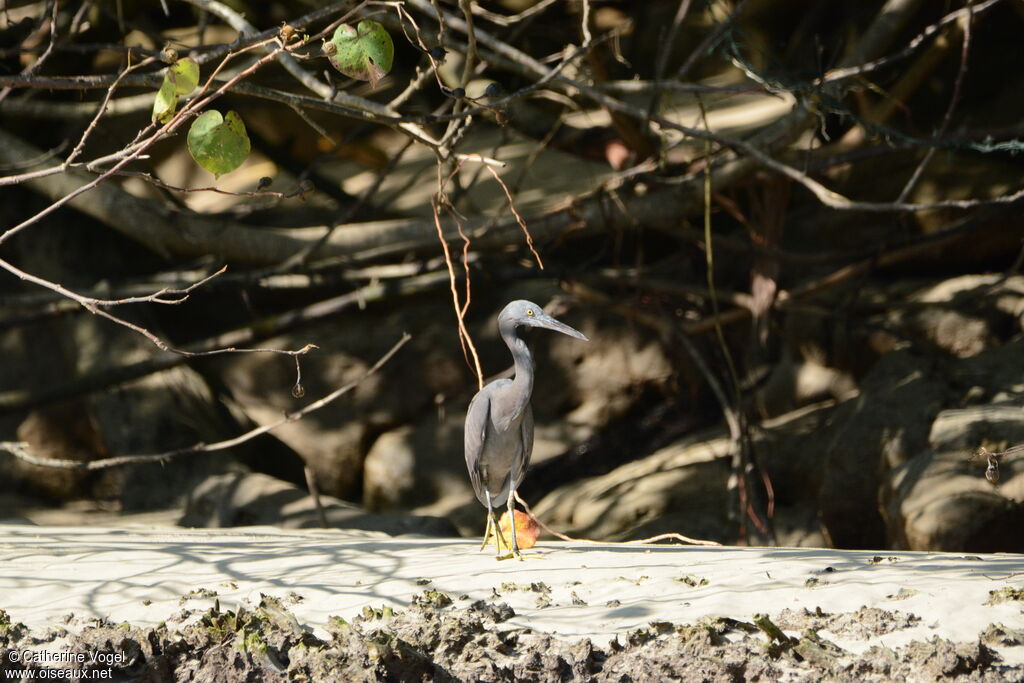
[[499, 538], [492, 527], [487, 532], [490, 519], [512, 521], [492, 530]]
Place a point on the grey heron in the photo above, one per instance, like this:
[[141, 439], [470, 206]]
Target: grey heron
[[499, 422]]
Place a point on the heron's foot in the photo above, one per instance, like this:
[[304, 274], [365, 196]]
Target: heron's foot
[[520, 556], [501, 544], [513, 553], [512, 547]]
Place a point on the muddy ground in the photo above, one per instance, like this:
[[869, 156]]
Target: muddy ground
[[433, 640]]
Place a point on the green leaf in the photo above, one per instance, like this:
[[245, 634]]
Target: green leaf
[[365, 54], [218, 144], [165, 103], [184, 73], [180, 79]]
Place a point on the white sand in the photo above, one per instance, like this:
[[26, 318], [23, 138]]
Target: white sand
[[47, 573]]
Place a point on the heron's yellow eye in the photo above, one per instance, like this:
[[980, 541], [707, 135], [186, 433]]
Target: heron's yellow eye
[[529, 311]]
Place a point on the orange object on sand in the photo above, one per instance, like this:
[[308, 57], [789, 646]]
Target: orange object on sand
[[527, 530]]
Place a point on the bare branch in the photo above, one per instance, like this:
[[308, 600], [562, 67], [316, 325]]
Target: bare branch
[[37, 64], [954, 98], [643, 541], [502, 20], [21, 450], [710, 40], [850, 70], [515, 213], [17, 400], [102, 109], [464, 339], [825, 195], [188, 111]]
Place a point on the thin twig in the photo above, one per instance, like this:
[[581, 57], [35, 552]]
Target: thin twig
[[710, 40], [306, 255], [35, 160], [992, 460], [643, 541], [502, 20], [519, 218], [18, 400], [314, 492], [36, 65], [156, 182], [669, 39], [187, 112], [825, 195], [323, 90], [742, 458], [103, 108], [954, 99], [464, 338], [841, 73], [470, 57], [585, 23]]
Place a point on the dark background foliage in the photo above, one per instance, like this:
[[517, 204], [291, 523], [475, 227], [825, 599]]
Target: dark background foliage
[[817, 372]]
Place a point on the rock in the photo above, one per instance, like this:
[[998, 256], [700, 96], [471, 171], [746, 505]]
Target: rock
[[250, 499], [609, 372], [683, 487], [20, 374], [994, 376], [333, 441], [153, 414], [790, 447], [794, 382], [389, 471], [883, 427], [329, 440], [419, 467], [994, 425], [797, 526], [963, 316], [940, 499], [680, 488], [171, 409], [63, 431]]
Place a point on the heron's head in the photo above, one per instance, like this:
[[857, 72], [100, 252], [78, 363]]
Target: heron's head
[[524, 313]]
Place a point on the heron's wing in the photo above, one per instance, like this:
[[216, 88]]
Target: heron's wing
[[527, 440], [477, 421]]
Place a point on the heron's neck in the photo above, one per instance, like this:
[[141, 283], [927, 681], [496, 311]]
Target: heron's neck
[[522, 383]]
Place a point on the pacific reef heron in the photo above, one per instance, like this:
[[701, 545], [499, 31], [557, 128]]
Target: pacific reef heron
[[499, 423]]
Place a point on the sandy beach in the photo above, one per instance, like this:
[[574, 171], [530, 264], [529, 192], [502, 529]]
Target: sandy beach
[[855, 599]]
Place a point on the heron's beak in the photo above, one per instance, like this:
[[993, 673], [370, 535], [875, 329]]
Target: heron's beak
[[547, 322]]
